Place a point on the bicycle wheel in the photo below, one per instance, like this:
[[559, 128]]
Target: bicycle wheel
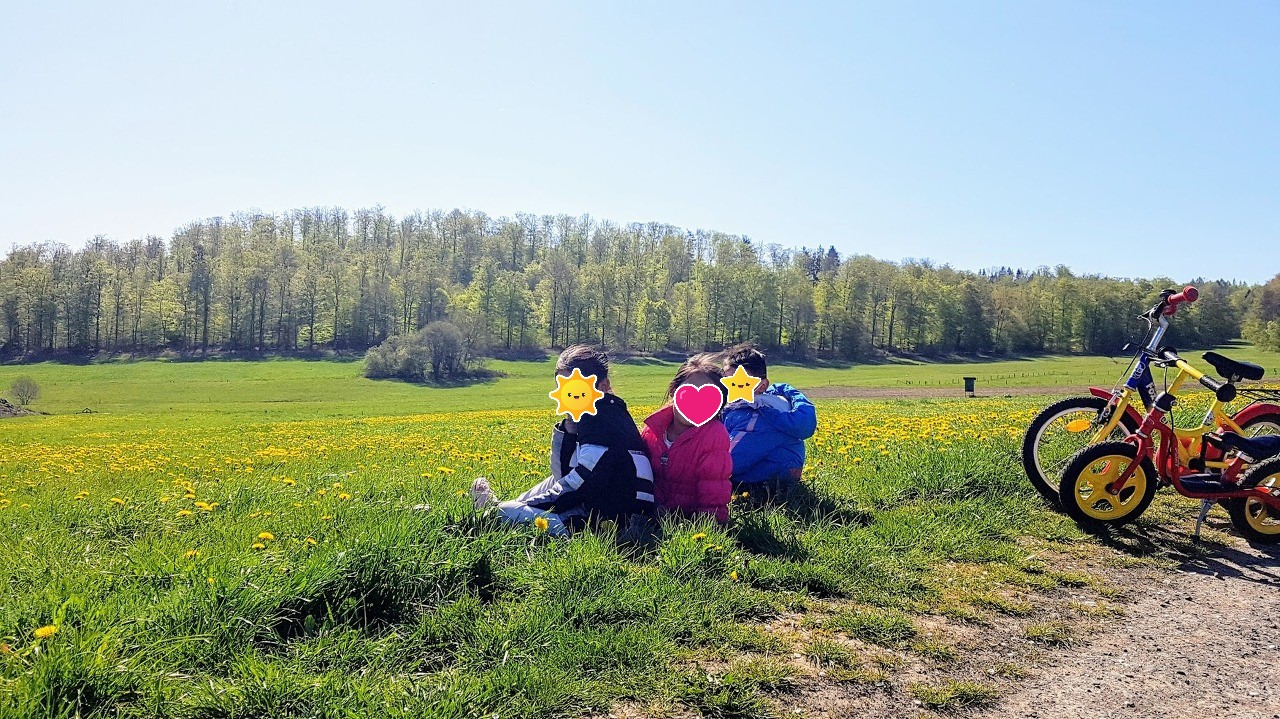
[[1084, 491], [1262, 425], [1060, 431], [1252, 518]]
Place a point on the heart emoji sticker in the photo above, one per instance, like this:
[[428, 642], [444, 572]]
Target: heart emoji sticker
[[698, 403]]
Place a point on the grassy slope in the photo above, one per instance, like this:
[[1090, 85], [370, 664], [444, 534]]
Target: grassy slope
[[299, 389], [916, 511]]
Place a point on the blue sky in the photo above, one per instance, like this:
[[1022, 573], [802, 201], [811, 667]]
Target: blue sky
[[1132, 139]]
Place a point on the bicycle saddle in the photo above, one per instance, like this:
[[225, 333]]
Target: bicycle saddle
[[1233, 370], [1257, 448]]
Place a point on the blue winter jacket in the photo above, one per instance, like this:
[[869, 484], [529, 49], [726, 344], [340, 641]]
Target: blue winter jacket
[[768, 443]]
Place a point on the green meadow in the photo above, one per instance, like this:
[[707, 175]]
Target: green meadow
[[302, 389], [287, 539]]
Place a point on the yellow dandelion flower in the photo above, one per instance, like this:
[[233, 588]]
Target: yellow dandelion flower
[[326, 517], [733, 575], [344, 496], [117, 500], [309, 542], [289, 481], [211, 580], [337, 485], [699, 536], [266, 536], [322, 491], [460, 492], [46, 631], [191, 554], [184, 513], [744, 495], [259, 545], [541, 524]]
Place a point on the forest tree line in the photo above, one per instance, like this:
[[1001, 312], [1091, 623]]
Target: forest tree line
[[328, 279]]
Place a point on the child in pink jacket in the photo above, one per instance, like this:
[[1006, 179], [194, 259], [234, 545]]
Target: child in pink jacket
[[691, 464]]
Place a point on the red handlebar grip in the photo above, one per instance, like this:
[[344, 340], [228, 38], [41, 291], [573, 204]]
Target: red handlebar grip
[[1188, 294]]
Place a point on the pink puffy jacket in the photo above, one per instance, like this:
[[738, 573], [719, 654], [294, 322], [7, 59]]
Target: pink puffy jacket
[[692, 475]]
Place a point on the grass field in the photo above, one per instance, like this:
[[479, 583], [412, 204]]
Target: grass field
[[285, 539], [297, 389]]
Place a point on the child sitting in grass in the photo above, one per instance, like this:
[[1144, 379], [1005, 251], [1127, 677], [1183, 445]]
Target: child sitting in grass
[[766, 436], [599, 469], [691, 464]]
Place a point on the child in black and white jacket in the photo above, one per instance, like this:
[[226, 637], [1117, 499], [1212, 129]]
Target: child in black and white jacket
[[599, 467]]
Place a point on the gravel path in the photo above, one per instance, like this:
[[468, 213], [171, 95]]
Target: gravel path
[[1202, 642]]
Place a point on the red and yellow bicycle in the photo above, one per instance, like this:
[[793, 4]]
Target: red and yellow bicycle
[[1112, 483]]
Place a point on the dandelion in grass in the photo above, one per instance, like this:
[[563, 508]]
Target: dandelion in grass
[[266, 536], [259, 546], [699, 536], [46, 631], [191, 554], [344, 496], [117, 501], [184, 512], [733, 575], [288, 481], [309, 542], [541, 524]]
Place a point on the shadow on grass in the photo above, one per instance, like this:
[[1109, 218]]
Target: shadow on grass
[[1204, 556]]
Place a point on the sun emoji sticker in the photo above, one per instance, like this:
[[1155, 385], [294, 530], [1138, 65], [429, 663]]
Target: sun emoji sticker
[[576, 395], [741, 385]]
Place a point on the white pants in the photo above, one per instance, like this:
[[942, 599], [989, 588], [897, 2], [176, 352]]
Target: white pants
[[517, 512]]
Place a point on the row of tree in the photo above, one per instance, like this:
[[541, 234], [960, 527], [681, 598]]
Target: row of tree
[[326, 278]]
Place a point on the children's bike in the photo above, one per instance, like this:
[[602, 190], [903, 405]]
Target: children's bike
[[1064, 427], [1113, 482]]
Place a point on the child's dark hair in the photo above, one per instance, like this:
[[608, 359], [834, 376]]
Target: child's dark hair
[[590, 360], [704, 363], [747, 356]]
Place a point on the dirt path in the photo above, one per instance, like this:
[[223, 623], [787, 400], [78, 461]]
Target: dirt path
[[835, 392], [1200, 642]]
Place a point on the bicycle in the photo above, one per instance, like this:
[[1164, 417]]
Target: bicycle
[[1063, 428], [1113, 482]]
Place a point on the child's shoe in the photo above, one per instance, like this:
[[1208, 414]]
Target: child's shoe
[[481, 494]]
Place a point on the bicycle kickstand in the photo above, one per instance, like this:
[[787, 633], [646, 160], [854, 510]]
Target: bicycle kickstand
[[1205, 506]]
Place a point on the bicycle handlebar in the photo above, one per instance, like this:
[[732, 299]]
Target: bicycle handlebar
[[1169, 302], [1188, 295]]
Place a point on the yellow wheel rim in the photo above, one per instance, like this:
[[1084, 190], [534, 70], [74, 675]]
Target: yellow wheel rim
[[1091, 493], [1259, 516]]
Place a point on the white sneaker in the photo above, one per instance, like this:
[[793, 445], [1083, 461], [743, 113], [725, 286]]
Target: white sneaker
[[481, 494]]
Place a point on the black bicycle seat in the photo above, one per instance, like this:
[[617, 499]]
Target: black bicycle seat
[[1258, 448], [1233, 370]]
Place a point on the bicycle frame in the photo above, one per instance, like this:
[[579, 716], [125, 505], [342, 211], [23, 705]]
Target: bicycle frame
[[1178, 447], [1139, 383]]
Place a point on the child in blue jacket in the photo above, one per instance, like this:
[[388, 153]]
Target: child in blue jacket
[[766, 437]]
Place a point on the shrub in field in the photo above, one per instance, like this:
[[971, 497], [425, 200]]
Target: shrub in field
[[439, 350], [25, 390]]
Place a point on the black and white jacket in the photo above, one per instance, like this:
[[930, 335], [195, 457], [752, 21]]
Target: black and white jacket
[[603, 470]]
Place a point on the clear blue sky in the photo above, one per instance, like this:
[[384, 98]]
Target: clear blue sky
[[978, 134]]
